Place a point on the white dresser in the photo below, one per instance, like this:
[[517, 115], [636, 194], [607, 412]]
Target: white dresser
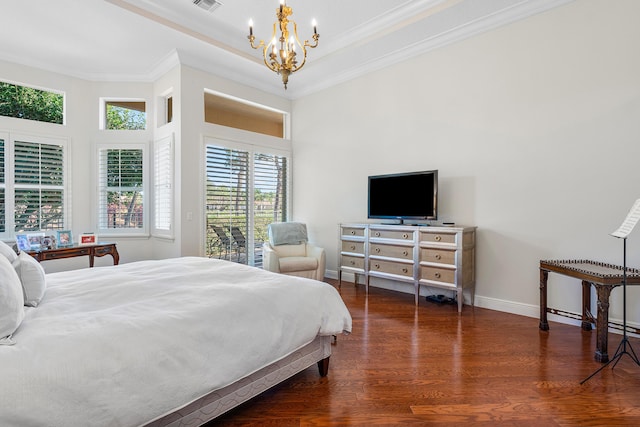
[[440, 257]]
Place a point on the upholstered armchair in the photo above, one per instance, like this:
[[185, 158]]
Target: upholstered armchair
[[289, 252]]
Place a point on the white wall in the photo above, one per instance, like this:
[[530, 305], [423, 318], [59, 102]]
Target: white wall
[[534, 128], [193, 130], [82, 100], [81, 130], [169, 246]]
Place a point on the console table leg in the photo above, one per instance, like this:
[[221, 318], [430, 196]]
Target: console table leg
[[602, 323], [544, 276], [586, 305]]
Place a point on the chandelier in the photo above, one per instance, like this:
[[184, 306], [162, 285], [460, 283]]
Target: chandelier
[[280, 54]]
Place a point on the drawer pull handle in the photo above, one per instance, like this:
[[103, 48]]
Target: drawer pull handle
[[437, 238], [377, 234], [376, 266], [353, 247], [352, 262], [404, 270], [405, 253], [378, 250], [438, 256], [353, 232], [437, 275], [405, 236]]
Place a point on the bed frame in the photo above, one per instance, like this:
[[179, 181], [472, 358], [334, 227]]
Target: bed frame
[[220, 401]]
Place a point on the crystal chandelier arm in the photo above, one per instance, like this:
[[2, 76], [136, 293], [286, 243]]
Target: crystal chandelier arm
[[294, 65], [252, 39], [268, 55], [270, 52], [315, 37]]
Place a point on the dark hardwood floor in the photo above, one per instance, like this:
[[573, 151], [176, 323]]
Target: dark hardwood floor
[[428, 365]]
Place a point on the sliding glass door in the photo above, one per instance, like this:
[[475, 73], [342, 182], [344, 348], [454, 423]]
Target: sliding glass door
[[246, 190]]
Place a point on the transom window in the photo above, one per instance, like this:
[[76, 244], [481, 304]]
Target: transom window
[[231, 112], [28, 103], [125, 115]]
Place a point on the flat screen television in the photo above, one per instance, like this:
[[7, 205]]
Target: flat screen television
[[404, 196]]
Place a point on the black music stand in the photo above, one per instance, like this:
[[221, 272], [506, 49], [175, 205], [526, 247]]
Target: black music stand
[[625, 346]]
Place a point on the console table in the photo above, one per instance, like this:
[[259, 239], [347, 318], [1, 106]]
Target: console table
[[604, 277], [96, 250]]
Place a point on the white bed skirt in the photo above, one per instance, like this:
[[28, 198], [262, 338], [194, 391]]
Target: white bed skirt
[[220, 401]]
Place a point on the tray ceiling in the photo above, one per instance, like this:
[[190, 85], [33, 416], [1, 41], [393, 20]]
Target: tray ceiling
[[139, 40]]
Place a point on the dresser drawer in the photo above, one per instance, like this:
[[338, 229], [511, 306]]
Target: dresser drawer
[[353, 231], [392, 234], [431, 237], [102, 251], [47, 255], [440, 256], [438, 274], [391, 251], [391, 268], [352, 262], [354, 247]]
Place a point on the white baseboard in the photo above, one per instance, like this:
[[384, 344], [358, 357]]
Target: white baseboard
[[512, 307]]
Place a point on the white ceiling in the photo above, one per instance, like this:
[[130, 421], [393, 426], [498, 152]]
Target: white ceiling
[[139, 40]]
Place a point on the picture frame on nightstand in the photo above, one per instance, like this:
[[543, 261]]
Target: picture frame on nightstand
[[35, 240], [48, 241], [88, 239], [65, 238], [22, 242]]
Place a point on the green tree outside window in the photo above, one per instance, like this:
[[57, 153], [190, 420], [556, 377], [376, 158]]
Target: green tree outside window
[[31, 104]]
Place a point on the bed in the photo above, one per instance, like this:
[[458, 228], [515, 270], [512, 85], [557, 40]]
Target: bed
[[169, 342]]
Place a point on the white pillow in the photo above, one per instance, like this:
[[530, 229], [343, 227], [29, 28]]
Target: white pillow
[[8, 251], [11, 302], [31, 275]]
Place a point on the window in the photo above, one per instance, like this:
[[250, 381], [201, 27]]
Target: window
[[125, 115], [28, 103], [163, 186], [246, 190], [169, 109], [121, 205], [226, 111], [39, 186], [33, 181]]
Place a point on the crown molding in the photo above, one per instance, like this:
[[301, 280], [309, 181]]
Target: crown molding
[[523, 10]]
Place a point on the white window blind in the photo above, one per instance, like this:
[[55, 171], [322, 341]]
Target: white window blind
[[270, 185], [246, 191], [121, 203], [163, 186], [38, 173], [3, 183]]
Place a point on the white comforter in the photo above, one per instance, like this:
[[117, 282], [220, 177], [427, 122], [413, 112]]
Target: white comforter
[[122, 345]]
